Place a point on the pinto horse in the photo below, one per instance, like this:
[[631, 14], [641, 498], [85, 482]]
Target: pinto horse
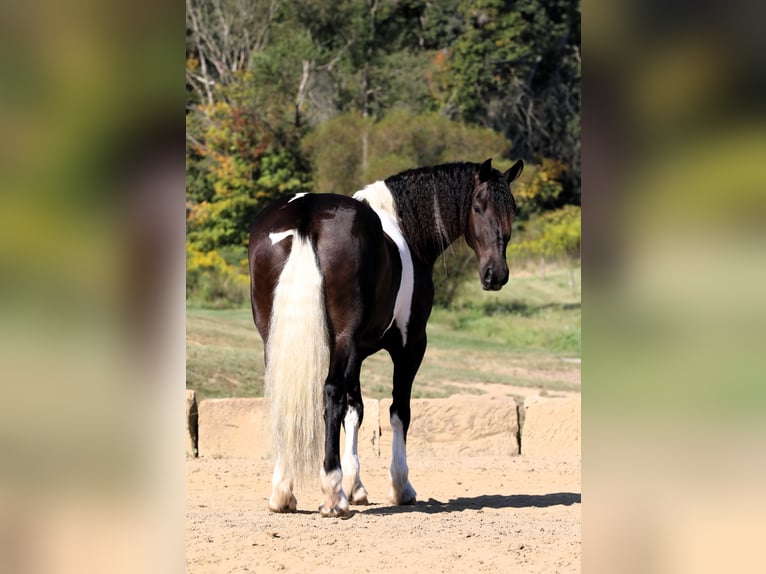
[[335, 279]]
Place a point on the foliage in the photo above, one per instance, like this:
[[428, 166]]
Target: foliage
[[516, 68], [400, 141], [243, 167], [212, 281], [313, 95], [220, 36], [240, 155], [539, 189], [554, 234]]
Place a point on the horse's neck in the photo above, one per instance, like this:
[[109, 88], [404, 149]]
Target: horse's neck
[[433, 207]]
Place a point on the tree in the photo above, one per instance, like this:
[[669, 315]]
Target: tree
[[401, 140], [245, 165], [297, 95], [220, 37], [239, 157], [516, 68]]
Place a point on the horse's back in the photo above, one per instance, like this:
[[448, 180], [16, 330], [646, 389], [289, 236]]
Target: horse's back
[[311, 215], [351, 253]]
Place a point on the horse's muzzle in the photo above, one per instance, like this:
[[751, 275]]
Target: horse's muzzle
[[493, 279]]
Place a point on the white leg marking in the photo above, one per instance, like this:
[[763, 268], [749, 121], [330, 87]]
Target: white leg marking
[[282, 498], [379, 198], [335, 503], [401, 489], [280, 235], [352, 484]]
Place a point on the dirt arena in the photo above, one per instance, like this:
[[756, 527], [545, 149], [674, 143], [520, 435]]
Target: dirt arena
[[477, 511]]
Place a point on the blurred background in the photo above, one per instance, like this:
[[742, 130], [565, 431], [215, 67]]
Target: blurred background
[[95, 240], [91, 286], [674, 133]]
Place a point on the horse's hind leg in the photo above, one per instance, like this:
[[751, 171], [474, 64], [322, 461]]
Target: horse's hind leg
[[282, 498], [352, 484], [335, 501]]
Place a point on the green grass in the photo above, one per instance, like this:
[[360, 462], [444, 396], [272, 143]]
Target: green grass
[[525, 335], [224, 353]]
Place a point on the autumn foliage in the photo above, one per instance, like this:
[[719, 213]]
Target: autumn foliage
[[312, 95]]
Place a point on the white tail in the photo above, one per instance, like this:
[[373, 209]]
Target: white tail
[[298, 360]]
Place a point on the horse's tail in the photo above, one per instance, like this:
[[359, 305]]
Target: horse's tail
[[297, 363]]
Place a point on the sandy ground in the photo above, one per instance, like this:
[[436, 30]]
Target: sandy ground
[[475, 514]]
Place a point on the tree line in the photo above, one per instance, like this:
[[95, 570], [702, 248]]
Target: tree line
[[284, 96]]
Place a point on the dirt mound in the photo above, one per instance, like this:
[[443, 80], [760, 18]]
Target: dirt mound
[[457, 426], [551, 427]]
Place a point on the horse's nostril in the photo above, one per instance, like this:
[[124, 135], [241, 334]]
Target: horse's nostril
[[488, 274]]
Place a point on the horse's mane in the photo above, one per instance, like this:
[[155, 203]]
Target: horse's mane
[[432, 204]]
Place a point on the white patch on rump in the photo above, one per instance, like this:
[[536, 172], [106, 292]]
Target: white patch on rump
[[379, 198], [280, 235], [296, 196]]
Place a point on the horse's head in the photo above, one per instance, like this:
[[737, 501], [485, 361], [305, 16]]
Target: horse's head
[[489, 222]]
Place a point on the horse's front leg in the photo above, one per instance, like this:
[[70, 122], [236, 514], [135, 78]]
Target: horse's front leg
[[406, 364]]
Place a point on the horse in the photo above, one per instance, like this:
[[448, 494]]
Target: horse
[[334, 279]]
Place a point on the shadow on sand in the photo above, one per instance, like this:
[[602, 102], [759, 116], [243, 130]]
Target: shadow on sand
[[432, 506]]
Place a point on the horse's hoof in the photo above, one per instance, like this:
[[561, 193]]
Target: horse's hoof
[[406, 497], [284, 509], [359, 497], [409, 501], [290, 505], [336, 511], [402, 500]]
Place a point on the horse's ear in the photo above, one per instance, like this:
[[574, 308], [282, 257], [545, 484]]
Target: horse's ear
[[514, 171], [485, 171]]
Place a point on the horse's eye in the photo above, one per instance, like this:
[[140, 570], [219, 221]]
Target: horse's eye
[[476, 209]]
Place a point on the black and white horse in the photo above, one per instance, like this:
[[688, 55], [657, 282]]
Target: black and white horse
[[335, 279]]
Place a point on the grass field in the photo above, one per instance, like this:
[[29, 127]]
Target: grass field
[[525, 336]]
